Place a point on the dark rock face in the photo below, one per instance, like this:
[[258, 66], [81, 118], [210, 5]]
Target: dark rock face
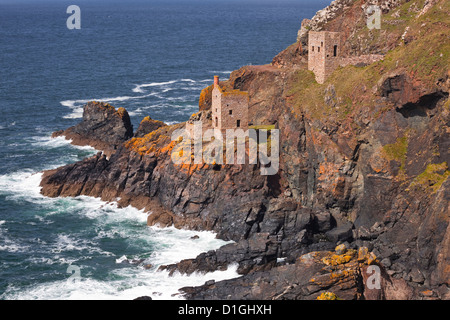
[[347, 273], [103, 127]]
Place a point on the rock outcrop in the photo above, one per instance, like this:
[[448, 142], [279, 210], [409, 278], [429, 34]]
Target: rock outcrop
[[364, 162], [351, 274], [103, 127], [147, 126]]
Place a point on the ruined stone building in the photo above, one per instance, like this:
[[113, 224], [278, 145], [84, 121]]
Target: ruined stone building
[[323, 53], [229, 108]]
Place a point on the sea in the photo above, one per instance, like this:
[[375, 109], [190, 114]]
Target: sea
[[152, 58]]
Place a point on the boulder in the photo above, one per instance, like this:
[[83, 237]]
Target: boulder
[[148, 125], [103, 127], [341, 233]]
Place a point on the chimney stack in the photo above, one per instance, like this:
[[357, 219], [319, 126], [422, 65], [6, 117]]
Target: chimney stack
[[216, 81]]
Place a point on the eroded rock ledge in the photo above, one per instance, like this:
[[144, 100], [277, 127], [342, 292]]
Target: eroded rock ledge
[[103, 127]]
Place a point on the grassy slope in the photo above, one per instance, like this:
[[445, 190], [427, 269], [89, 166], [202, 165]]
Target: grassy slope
[[424, 56]]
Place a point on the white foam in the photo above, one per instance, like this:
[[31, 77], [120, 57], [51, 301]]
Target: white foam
[[23, 183], [77, 105], [65, 243], [156, 245], [136, 112], [134, 282], [50, 142], [108, 212], [168, 245], [139, 87], [173, 245], [72, 103], [77, 113], [69, 155], [7, 244], [11, 246], [222, 72]]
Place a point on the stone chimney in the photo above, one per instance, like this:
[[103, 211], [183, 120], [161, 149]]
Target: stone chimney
[[216, 81]]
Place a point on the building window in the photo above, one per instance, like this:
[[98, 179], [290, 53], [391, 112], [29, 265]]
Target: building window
[[217, 122], [230, 112], [312, 48], [238, 123], [318, 49], [321, 44], [335, 51]]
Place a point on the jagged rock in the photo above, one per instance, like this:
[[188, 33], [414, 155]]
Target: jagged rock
[[103, 127], [255, 254], [341, 249], [323, 221], [341, 233], [148, 125], [311, 275]]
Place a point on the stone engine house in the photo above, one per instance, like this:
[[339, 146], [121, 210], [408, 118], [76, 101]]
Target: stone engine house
[[323, 53], [229, 108]]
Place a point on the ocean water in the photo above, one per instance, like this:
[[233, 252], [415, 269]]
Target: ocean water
[[151, 57]]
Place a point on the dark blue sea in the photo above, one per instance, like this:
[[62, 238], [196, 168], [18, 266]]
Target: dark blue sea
[[152, 58]]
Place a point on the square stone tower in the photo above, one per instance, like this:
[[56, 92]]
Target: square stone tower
[[323, 53], [229, 108]]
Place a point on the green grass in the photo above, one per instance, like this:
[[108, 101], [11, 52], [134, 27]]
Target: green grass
[[397, 151], [432, 178]]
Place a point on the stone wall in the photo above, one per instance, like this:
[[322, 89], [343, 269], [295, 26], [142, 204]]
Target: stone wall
[[234, 109], [228, 108]]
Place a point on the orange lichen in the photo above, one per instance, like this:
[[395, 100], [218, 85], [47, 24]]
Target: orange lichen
[[121, 112], [168, 148], [148, 143], [338, 259], [335, 260], [327, 296], [363, 253], [204, 95]]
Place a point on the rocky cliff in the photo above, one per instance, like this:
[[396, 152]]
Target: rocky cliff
[[363, 163]]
